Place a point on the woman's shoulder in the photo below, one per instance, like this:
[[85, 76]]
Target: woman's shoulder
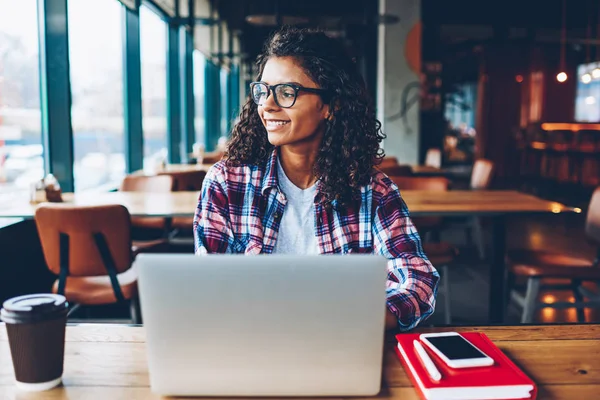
[[222, 171], [381, 184]]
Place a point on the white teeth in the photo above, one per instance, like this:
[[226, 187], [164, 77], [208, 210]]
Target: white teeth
[[277, 123]]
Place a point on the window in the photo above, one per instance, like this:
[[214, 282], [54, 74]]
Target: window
[[587, 102], [21, 152], [224, 74], [153, 42], [96, 66], [199, 67]]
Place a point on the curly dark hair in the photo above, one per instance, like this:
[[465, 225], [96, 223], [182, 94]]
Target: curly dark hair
[[350, 147]]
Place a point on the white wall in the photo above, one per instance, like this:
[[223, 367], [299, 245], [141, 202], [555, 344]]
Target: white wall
[[393, 75]]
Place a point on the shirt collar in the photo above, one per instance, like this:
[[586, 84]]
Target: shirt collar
[[270, 179]]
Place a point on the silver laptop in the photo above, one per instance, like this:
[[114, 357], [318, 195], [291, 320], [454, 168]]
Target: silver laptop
[[266, 325]]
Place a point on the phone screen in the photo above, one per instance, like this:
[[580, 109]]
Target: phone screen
[[455, 347]]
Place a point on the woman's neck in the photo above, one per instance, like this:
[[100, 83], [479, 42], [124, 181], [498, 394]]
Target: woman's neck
[[298, 166]]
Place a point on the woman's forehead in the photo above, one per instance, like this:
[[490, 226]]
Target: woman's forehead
[[285, 70]]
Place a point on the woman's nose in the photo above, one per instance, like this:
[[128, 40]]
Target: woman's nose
[[269, 102]]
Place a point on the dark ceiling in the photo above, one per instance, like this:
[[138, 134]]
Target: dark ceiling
[[458, 20]]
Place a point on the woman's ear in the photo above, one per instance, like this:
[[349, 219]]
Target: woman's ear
[[332, 109]]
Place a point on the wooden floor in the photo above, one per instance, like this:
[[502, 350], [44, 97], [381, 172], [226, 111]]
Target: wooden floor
[[469, 278]]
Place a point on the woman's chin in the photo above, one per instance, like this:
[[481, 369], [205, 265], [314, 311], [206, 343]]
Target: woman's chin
[[276, 139]]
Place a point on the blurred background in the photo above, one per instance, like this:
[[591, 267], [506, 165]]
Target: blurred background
[[94, 90]]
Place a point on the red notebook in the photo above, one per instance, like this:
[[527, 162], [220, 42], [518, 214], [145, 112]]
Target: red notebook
[[503, 380]]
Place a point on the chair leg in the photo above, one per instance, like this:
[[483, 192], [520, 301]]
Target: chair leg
[[579, 299], [446, 288], [134, 310], [510, 280], [479, 239], [533, 290], [73, 309]]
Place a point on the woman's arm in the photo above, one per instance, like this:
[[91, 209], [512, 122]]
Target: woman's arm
[[412, 280], [212, 225]]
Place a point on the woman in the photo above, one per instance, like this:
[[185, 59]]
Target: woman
[[298, 175]]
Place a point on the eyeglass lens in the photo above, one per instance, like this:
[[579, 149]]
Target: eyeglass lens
[[285, 95]]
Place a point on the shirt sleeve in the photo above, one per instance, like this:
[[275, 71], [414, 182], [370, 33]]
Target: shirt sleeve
[[212, 225], [412, 279]]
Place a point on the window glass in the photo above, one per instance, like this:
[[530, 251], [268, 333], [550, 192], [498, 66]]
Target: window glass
[[21, 152], [96, 67], [153, 42], [199, 67], [587, 102]]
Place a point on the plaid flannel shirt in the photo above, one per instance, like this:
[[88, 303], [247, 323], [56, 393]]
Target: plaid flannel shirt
[[240, 208]]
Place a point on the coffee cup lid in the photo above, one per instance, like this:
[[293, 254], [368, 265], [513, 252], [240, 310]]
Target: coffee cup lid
[[33, 307]]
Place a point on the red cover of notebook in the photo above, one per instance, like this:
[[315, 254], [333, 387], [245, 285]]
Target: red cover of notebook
[[503, 380]]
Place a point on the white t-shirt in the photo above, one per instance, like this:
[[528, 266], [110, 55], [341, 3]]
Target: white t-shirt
[[297, 228]]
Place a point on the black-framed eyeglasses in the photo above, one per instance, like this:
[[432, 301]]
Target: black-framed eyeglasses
[[285, 93]]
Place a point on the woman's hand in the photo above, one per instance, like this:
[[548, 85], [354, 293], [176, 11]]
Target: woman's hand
[[391, 321]]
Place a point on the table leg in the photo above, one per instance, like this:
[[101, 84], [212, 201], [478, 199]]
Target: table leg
[[497, 271]]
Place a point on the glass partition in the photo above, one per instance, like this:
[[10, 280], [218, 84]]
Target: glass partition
[[96, 67], [153, 41], [21, 151]]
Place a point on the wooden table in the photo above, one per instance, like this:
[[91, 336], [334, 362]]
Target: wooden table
[[109, 362], [494, 204], [426, 170], [420, 203], [174, 168]]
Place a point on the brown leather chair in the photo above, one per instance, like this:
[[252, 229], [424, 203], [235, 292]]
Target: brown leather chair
[[481, 179], [388, 161], [397, 170], [433, 158], [89, 248], [440, 254], [148, 184], [213, 157], [535, 265], [481, 176], [186, 181], [433, 184]]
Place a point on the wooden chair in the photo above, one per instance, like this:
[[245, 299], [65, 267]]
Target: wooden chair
[[388, 161], [90, 249], [148, 184], [440, 254], [536, 265], [424, 225], [397, 170], [481, 179], [185, 181], [482, 174], [149, 227], [433, 158]]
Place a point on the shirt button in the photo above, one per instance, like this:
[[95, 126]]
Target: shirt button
[[277, 215]]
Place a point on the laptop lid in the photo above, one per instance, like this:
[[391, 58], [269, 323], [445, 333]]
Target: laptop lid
[[266, 325]]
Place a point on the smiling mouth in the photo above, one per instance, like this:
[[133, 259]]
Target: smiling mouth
[[275, 124]]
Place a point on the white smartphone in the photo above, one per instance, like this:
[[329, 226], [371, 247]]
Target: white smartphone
[[455, 350]]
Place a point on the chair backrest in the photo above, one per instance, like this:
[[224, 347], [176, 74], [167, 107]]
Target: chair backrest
[[83, 225], [388, 161], [430, 183], [481, 177], [592, 223], [150, 184], [187, 180], [397, 170], [433, 158]]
